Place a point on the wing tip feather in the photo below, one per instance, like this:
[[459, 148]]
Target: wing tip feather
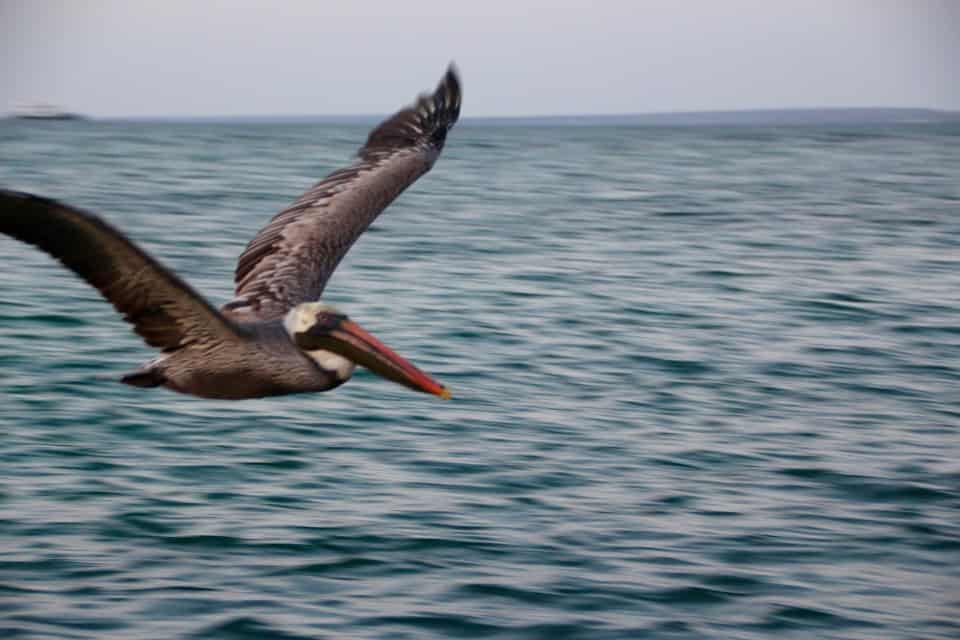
[[424, 122], [13, 198]]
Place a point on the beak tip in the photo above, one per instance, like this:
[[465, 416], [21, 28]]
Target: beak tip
[[445, 394]]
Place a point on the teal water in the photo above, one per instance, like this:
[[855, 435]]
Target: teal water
[[707, 385]]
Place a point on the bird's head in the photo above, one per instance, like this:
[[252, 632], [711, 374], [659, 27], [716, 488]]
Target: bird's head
[[337, 344]]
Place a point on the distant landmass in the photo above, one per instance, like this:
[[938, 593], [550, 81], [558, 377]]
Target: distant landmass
[[753, 117]]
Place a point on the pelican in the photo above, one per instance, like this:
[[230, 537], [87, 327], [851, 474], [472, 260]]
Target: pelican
[[274, 337]]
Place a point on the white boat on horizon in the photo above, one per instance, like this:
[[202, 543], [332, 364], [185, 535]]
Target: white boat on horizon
[[42, 111]]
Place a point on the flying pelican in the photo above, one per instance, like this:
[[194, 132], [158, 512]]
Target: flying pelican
[[274, 337]]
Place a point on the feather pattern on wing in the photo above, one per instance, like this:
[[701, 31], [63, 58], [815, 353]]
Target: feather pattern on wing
[[164, 310], [292, 258]]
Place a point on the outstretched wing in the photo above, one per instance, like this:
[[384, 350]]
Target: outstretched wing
[[292, 258], [166, 312]]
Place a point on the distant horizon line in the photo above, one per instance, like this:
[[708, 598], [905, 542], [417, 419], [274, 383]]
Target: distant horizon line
[[710, 116]]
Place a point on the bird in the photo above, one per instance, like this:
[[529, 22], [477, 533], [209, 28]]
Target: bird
[[276, 336]]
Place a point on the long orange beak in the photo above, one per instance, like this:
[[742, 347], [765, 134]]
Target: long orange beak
[[354, 342]]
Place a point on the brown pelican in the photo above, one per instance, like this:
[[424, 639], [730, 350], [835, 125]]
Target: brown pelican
[[274, 337]]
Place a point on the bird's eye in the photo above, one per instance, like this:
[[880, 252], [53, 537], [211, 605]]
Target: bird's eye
[[326, 320]]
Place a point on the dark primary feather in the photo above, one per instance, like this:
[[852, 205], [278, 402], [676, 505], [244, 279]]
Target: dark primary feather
[[292, 258], [163, 309]]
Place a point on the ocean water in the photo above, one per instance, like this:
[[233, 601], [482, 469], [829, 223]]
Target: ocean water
[[707, 385]]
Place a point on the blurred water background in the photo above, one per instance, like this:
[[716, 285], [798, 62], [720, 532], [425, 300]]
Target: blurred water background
[[707, 385]]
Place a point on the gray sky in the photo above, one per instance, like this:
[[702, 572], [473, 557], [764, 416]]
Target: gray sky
[[517, 57]]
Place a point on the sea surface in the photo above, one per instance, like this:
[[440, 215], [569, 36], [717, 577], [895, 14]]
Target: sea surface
[[706, 385]]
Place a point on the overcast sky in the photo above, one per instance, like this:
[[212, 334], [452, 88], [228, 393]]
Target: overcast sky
[[517, 57]]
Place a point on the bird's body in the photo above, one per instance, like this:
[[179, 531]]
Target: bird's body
[[273, 338], [263, 361]]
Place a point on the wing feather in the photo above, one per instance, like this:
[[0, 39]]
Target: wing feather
[[163, 309], [292, 258]]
